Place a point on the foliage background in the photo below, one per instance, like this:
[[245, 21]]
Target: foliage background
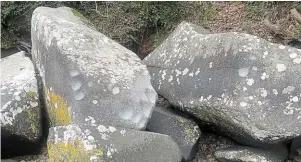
[[141, 26]]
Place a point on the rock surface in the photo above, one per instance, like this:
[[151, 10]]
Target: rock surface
[[249, 154], [184, 131], [106, 143], [208, 144], [247, 87], [88, 77], [20, 109]]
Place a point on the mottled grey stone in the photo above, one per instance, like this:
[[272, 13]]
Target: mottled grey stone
[[20, 109], [247, 87], [249, 154], [106, 143], [184, 131], [88, 77]]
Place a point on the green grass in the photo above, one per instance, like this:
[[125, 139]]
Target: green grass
[[255, 10]]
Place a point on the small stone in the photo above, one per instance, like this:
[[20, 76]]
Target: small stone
[[184, 131], [247, 154]]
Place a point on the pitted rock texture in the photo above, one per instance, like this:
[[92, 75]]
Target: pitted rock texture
[[88, 77], [106, 143], [249, 154], [20, 107], [184, 131], [244, 85]]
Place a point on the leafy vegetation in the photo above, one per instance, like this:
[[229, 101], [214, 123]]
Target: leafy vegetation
[[125, 22], [136, 23]]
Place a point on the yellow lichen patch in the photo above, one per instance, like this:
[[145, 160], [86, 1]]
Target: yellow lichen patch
[[73, 151], [58, 109], [32, 119]]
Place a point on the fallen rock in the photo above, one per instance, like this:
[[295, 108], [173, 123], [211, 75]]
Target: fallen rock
[[21, 123], [245, 86], [249, 154], [185, 132], [106, 143], [208, 144], [88, 77]]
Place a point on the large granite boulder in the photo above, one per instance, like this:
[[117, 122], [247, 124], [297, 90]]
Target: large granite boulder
[[106, 143], [20, 109], [247, 87], [249, 154], [88, 77], [184, 131]]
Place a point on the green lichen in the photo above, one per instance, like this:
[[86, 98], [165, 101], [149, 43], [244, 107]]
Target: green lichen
[[32, 119], [73, 151], [189, 132], [58, 109], [32, 94], [78, 14], [182, 121]]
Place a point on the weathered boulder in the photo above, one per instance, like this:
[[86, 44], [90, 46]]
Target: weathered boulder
[[88, 77], [106, 143], [249, 154], [21, 123], [244, 85], [184, 131]]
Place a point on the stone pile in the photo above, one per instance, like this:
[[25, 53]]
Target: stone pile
[[98, 99]]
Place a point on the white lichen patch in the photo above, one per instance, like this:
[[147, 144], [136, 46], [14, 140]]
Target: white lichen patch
[[288, 90], [293, 55], [281, 67], [185, 71], [295, 99], [263, 92], [264, 76], [105, 132], [170, 78], [297, 60], [281, 47], [115, 90], [243, 72], [94, 102], [275, 92], [90, 120], [250, 81], [243, 104]]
